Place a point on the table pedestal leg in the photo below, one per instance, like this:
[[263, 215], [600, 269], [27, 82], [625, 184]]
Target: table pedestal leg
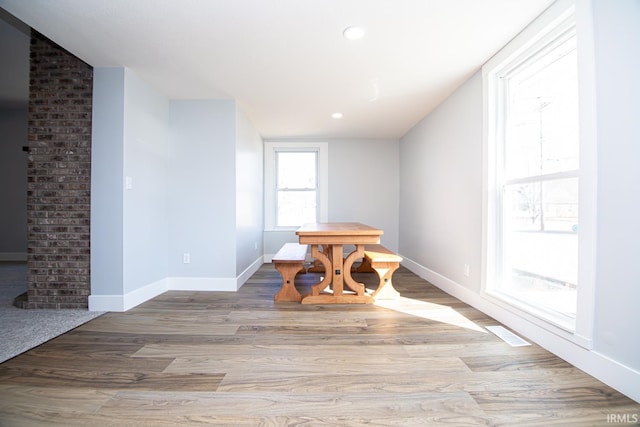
[[359, 288], [337, 272], [324, 260], [317, 266]]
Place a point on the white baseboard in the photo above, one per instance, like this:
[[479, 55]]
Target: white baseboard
[[13, 256], [613, 373], [106, 303], [248, 272], [129, 300], [134, 298], [225, 284]]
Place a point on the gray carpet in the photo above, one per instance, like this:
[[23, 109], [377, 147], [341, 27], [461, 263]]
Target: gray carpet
[[21, 330]]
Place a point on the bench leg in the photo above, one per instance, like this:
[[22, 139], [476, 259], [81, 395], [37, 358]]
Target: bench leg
[[288, 291], [385, 290]]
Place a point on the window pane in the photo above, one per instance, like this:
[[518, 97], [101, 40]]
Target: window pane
[[558, 199], [540, 246], [297, 170], [542, 115], [296, 208]]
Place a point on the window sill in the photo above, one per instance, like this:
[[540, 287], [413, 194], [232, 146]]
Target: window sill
[[559, 325]]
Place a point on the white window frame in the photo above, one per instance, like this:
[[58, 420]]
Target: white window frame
[[555, 20], [271, 148]]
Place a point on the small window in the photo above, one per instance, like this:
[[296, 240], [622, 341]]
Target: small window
[[295, 184]]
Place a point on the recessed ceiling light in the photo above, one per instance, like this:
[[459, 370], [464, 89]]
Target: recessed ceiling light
[[353, 33], [336, 115]]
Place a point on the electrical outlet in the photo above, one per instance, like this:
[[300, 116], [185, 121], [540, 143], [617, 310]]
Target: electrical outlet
[[186, 258], [467, 270]]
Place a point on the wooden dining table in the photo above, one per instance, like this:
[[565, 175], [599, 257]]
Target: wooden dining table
[[328, 241]]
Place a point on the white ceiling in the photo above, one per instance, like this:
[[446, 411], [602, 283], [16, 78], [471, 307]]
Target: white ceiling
[[285, 61]]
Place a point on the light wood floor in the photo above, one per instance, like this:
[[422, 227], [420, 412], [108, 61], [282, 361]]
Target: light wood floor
[[199, 358]]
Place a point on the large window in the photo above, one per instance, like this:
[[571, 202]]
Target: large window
[[534, 173], [295, 184]]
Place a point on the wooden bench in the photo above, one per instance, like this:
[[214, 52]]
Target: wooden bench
[[289, 261], [383, 262]]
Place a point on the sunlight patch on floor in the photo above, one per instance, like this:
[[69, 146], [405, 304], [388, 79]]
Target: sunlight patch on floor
[[431, 311]]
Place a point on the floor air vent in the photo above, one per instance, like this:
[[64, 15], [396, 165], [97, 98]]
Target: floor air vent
[[507, 336]]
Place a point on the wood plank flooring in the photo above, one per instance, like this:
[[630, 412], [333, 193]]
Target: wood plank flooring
[[238, 358]]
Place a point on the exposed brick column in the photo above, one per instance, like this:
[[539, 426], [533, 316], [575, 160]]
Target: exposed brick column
[[59, 178]]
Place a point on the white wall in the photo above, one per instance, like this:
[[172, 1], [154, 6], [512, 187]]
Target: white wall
[[107, 183], [441, 195], [202, 201], [617, 51], [165, 183], [145, 236], [215, 195], [363, 187], [249, 194], [441, 187], [129, 236]]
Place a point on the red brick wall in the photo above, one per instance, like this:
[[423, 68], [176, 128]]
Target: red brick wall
[[59, 178]]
